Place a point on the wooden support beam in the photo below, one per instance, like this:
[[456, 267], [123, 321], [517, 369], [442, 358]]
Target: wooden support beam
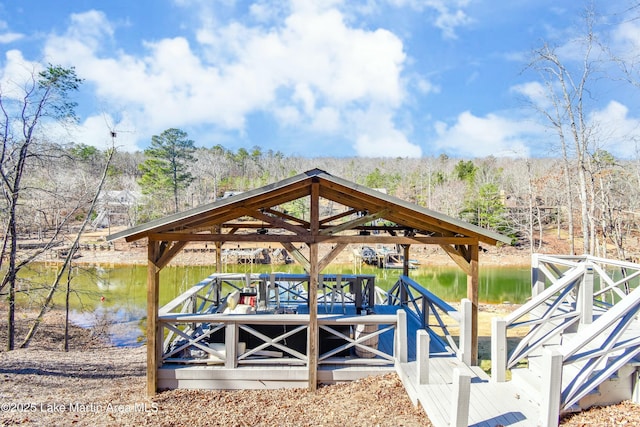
[[331, 256], [169, 252], [338, 216], [230, 237], [458, 257], [218, 257], [473, 283], [399, 240], [153, 285], [298, 256], [313, 336], [276, 222], [215, 230], [283, 215], [308, 238], [354, 223]]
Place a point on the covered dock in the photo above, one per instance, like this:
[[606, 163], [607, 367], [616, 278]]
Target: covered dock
[[337, 213]]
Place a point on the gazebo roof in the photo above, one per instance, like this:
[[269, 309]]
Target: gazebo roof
[[354, 214]]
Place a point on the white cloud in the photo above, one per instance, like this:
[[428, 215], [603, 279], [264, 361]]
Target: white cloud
[[6, 35], [10, 37], [615, 131], [96, 130], [533, 92], [376, 135], [311, 68], [626, 40], [426, 87], [483, 136], [450, 14], [17, 72]]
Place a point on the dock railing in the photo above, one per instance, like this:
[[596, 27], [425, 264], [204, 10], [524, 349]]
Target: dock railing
[[279, 339], [195, 331], [436, 316], [589, 299]]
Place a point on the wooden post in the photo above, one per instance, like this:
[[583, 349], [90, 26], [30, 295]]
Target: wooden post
[[498, 349], [217, 230], [405, 261], [219, 257], [465, 331], [585, 296], [313, 337], [231, 345], [460, 400], [153, 285], [537, 279], [635, 390], [473, 283], [312, 344], [422, 355], [402, 351], [551, 388]]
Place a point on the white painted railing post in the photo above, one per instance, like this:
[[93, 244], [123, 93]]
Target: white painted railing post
[[460, 399], [465, 331], [551, 388], [231, 345], [498, 349], [273, 286], [537, 279], [422, 355], [401, 337], [585, 296], [635, 378]]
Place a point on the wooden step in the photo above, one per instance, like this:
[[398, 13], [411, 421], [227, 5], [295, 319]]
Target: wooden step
[[528, 382]]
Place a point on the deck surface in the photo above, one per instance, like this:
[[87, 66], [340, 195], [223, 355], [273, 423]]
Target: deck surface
[[491, 404]]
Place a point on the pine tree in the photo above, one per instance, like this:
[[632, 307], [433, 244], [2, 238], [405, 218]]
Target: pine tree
[[165, 171]]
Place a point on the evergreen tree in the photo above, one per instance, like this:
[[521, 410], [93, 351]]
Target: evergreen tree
[[165, 171], [487, 210]]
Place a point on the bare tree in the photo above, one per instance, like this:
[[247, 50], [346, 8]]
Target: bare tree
[[44, 97], [66, 266], [566, 89]]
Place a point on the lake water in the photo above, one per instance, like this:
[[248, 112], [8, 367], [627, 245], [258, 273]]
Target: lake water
[[117, 296]]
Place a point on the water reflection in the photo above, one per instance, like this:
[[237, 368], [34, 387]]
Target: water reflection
[[121, 326], [112, 301]]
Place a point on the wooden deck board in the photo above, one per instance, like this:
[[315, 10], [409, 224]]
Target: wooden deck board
[[259, 377], [512, 408]]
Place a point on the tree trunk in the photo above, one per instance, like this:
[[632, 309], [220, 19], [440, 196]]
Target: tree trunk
[[68, 259]]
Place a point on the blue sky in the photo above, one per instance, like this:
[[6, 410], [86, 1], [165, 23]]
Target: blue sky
[[404, 78]]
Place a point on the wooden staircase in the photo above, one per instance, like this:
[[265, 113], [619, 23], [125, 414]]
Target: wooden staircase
[[583, 341]]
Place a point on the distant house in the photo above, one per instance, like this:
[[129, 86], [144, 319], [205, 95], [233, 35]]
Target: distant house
[[230, 193], [116, 207]]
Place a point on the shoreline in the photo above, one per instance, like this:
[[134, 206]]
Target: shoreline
[[120, 253]]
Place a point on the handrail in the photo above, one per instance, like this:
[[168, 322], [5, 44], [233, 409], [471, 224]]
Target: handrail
[[602, 349], [188, 294], [576, 299], [422, 304], [274, 349]]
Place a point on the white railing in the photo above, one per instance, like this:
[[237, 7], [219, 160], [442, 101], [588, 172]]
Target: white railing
[[281, 339], [546, 316], [594, 301], [435, 316], [601, 350]]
